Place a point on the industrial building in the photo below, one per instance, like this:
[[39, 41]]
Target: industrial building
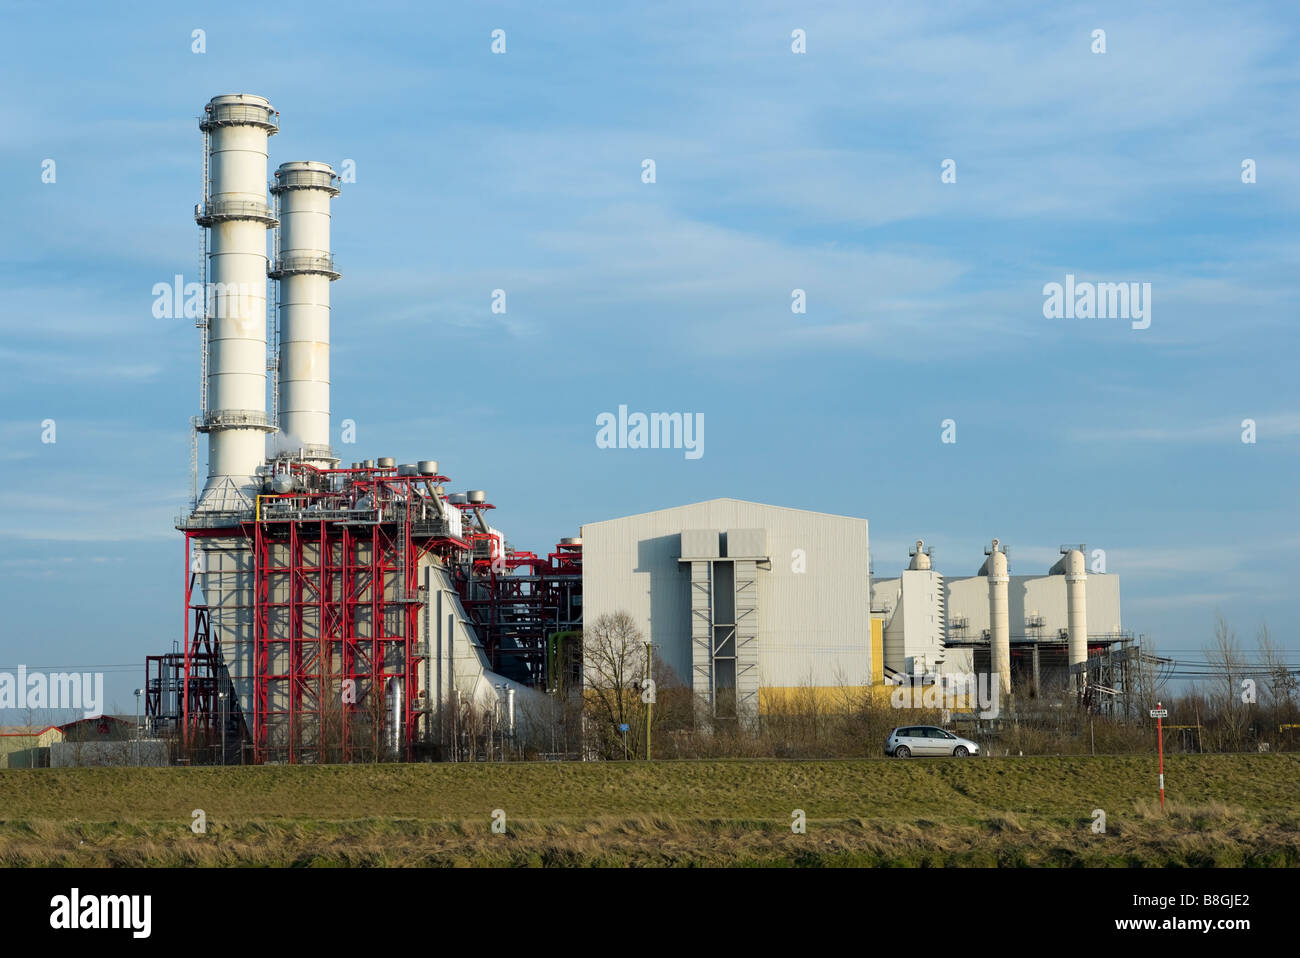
[[356, 611], [738, 597], [27, 746], [100, 740], [1037, 633], [748, 602]]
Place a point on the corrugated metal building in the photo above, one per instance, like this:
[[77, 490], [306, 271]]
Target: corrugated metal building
[[27, 746], [739, 597], [100, 728]]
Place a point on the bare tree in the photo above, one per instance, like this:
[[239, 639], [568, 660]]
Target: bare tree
[[1225, 658], [1281, 685], [613, 667]]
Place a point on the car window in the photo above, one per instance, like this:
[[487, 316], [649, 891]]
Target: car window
[[906, 732], [930, 732], [943, 734]]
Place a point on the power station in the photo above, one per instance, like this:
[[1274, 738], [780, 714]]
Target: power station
[[351, 612]]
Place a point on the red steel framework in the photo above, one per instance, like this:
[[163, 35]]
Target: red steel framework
[[344, 582], [335, 613], [335, 604]]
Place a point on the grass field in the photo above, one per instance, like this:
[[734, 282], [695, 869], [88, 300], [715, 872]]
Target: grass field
[[1225, 810]]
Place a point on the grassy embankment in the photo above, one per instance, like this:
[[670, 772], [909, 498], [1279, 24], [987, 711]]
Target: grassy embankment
[[1225, 810]]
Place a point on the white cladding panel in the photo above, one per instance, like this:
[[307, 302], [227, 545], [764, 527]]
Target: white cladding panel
[[699, 543], [454, 519], [913, 630], [746, 542], [814, 625], [923, 626]]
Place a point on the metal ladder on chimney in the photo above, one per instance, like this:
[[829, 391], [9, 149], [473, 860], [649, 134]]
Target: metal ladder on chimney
[[201, 323], [273, 300]]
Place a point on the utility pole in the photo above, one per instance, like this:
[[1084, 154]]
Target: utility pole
[[138, 693]]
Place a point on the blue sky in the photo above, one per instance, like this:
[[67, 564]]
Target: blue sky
[[774, 171]]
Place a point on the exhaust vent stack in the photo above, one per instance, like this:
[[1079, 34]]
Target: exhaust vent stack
[[236, 214], [304, 268]]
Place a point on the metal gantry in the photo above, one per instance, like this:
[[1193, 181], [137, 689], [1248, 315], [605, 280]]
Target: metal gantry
[[518, 603]]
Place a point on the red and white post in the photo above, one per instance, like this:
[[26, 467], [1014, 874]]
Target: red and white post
[[1159, 713]]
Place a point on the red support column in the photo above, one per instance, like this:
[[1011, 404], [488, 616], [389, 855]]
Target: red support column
[[293, 649], [324, 633], [261, 577]]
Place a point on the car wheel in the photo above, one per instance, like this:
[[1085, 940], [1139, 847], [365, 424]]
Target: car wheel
[[961, 751], [902, 752]]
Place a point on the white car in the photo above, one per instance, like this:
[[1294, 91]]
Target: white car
[[927, 740]]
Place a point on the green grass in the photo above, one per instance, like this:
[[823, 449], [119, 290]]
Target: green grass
[[1225, 810]]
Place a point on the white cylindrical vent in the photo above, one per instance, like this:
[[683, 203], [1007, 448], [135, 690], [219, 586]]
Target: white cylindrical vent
[[305, 269], [999, 619], [1076, 597], [237, 214], [393, 702]]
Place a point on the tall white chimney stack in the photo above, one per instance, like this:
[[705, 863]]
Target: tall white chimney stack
[[305, 269], [236, 212]]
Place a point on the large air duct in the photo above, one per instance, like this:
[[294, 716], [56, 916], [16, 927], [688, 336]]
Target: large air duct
[[995, 567], [236, 213], [1074, 567], [305, 269]]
